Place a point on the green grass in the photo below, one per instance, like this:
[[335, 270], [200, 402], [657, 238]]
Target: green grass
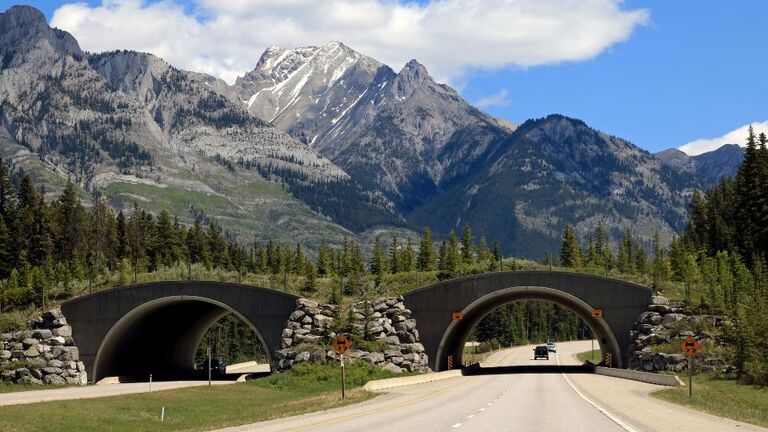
[[588, 356], [724, 398], [306, 388]]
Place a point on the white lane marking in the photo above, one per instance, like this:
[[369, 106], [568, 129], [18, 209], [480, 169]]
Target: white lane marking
[[614, 418], [456, 426]]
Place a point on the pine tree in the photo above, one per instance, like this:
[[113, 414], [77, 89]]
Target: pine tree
[[394, 256], [197, 244], [626, 263], [325, 260], [217, 247], [452, 256], [123, 244], [406, 259], [310, 280], [8, 202], [483, 253], [467, 246], [640, 260], [378, 265], [660, 264], [570, 252], [70, 233], [497, 253], [168, 244], [6, 252], [426, 259]]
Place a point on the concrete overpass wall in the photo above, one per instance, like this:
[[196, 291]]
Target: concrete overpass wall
[[432, 306], [156, 326]]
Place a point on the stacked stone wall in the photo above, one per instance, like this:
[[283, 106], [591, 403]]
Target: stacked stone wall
[[384, 323], [43, 354], [660, 330]]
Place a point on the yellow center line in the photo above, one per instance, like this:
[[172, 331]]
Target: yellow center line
[[381, 409]]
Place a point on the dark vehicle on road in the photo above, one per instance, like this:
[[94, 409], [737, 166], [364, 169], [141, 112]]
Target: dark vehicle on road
[[219, 366], [541, 351]]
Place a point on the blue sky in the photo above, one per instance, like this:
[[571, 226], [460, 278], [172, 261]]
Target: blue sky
[[692, 70]]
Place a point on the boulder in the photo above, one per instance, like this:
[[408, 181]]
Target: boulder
[[36, 373], [22, 372], [63, 331], [389, 367], [662, 309], [287, 333], [56, 340], [306, 303], [54, 380], [669, 319], [28, 342], [302, 357], [391, 340], [659, 300], [70, 354], [31, 352], [43, 333], [296, 315], [287, 342], [52, 370], [5, 355], [8, 375], [317, 356]]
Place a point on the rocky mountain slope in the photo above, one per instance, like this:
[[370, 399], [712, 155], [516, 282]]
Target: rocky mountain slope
[[140, 130], [556, 171], [322, 142], [707, 167], [399, 133]]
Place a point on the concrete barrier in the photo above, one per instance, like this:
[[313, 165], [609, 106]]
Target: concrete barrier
[[646, 377], [384, 384]]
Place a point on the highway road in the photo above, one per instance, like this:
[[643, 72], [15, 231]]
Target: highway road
[[519, 402]]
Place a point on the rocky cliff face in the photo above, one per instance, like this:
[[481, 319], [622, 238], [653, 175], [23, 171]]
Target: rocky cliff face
[[401, 134]]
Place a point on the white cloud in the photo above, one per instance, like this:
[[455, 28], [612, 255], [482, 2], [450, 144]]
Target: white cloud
[[736, 136], [226, 38], [498, 99]]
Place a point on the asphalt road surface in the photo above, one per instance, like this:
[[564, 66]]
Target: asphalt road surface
[[518, 402]]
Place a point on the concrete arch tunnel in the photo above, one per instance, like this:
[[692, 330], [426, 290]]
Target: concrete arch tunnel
[[156, 327], [475, 296]]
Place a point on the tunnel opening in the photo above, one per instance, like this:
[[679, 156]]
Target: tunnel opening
[[162, 338], [453, 351]]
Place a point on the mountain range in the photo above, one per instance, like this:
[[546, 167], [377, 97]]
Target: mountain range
[[322, 143]]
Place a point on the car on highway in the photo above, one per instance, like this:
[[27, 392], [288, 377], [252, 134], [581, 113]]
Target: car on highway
[[551, 347], [541, 351]]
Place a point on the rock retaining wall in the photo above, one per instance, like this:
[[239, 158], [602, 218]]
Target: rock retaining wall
[[384, 323], [666, 322], [45, 354]]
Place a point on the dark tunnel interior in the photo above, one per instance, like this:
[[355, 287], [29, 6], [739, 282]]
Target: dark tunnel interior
[[158, 338]]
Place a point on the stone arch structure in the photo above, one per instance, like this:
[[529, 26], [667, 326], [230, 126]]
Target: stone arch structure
[[475, 296], [156, 327]]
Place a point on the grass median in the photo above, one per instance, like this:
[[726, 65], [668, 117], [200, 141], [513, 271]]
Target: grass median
[[725, 398], [306, 388], [591, 356]]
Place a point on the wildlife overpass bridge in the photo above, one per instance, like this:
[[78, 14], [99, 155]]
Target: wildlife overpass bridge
[[156, 327]]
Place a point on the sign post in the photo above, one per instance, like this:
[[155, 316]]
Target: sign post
[[341, 344], [209, 366], [689, 347]]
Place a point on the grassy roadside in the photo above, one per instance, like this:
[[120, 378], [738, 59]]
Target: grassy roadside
[[588, 356], [307, 388], [724, 398]]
